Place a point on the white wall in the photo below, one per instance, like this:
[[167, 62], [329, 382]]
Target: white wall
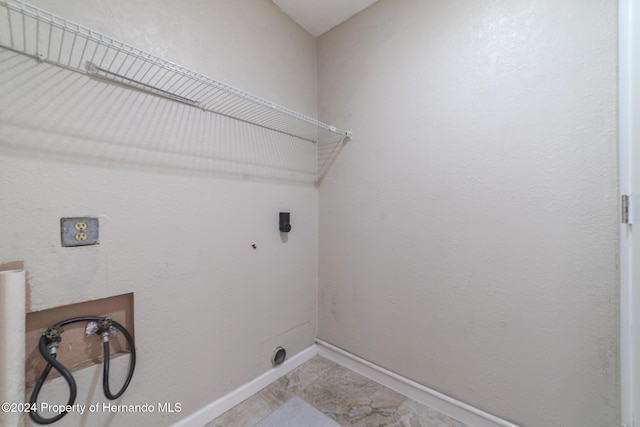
[[181, 195], [468, 234]]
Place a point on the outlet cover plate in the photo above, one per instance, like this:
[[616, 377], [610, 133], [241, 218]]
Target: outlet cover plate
[[79, 231]]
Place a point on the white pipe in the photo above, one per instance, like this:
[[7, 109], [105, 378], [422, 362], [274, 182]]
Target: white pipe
[[12, 347]]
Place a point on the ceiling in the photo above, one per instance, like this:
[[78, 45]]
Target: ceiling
[[319, 16]]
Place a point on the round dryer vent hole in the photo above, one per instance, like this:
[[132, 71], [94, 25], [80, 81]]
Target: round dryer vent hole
[[279, 356]]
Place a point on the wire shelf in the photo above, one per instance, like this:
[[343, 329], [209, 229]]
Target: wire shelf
[[40, 34]]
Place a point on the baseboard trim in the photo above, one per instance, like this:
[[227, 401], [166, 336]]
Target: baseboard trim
[[228, 401], [434, 399]]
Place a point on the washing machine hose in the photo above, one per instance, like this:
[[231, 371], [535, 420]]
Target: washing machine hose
[[45, 346]]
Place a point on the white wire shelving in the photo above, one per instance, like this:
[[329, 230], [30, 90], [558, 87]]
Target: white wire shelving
[[40, 34]]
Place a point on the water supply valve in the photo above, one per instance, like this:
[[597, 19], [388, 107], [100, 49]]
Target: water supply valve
[[103, 327], [52, 337]]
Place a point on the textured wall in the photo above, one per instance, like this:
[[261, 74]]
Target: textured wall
[[181, 195], [468, 234]]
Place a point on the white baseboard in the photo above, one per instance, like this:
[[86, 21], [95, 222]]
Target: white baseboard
[[228, 401], [436, 400]]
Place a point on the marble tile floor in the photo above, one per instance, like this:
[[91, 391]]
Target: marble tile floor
[[341, 394]]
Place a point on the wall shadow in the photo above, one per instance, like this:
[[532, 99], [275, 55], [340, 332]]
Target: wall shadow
[[59, 115]]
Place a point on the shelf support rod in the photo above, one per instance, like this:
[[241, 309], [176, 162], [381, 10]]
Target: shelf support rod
[[93, 69]]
